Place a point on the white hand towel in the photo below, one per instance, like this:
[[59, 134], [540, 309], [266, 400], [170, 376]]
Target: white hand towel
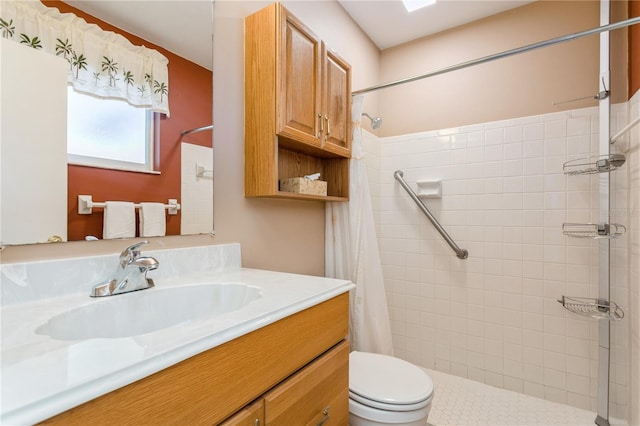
[[119, 220], [152, 220]]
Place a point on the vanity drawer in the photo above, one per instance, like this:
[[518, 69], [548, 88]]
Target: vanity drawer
[[318, 391], [252, 415]]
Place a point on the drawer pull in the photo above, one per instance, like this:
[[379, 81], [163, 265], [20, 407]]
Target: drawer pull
[[325, 413]]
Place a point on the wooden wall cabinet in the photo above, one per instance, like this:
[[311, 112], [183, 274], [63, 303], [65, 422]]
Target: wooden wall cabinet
[[297, 107], [291, 369]]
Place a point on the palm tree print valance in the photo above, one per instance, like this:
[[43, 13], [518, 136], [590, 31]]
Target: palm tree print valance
[[101, 63]]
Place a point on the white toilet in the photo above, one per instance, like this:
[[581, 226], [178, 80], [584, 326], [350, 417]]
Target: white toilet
[[384, 390]]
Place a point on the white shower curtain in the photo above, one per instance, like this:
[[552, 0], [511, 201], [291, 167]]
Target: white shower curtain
[[351, 252]]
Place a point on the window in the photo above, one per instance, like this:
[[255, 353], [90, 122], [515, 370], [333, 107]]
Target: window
[[412, 5], [108, 133]]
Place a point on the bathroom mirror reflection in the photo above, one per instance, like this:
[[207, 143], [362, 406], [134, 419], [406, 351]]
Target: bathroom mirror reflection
[[181, 154]]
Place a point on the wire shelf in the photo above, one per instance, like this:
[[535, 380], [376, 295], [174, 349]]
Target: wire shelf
[[591, 165], [594, 308], [593, 230]]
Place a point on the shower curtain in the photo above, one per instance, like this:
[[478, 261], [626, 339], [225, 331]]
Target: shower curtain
[[351, 253]]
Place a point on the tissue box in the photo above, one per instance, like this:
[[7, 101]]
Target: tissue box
[[304, 186]]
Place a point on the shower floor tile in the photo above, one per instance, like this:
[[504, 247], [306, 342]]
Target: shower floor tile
[[463, 402]]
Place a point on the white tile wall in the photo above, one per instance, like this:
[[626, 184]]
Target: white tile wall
[[196, 191], [494, 317]]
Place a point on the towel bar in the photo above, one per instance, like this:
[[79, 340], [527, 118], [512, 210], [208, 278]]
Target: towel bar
[[86, 205]]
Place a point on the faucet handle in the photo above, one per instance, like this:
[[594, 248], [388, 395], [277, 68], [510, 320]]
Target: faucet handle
[[131, 253]]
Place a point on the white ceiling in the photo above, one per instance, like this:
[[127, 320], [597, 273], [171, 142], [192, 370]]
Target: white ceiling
[[184, 26], [388, 23]]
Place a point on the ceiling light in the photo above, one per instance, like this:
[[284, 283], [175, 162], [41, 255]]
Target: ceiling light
[[412, 5]]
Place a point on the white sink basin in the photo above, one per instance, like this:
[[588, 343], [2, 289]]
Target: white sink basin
[[144, 311]]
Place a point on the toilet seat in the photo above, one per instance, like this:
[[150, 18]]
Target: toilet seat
[[388, 383], [388, 407]]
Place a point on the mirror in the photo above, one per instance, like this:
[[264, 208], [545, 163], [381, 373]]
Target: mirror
[[184, 140]]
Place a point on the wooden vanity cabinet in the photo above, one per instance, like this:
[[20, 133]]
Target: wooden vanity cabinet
[[297, 107], [293, 368], [317, 394]]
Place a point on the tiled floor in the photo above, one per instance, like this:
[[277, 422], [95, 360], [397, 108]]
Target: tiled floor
[[462, 402]]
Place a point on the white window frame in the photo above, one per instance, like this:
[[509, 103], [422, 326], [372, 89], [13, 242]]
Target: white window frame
[[106, 163]]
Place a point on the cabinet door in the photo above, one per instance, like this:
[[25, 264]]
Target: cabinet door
[[252, 415], [298, 82], [317, 394], [336, 103]]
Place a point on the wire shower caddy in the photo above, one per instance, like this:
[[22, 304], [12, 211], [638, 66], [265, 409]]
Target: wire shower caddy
[[592, 165], [594, 308]]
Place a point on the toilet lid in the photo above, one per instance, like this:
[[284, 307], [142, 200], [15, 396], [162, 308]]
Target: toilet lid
[[388, 380]]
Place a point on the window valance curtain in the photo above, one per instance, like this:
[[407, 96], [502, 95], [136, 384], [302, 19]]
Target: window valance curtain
[[101, 63]]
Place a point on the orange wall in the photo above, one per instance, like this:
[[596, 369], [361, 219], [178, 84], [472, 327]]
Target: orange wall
[[191, 105], [634, 49]]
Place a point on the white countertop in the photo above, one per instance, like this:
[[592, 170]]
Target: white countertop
[[42, 377]]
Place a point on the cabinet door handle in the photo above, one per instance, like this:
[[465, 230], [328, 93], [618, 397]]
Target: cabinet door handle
[[326, 117], [257, 422], [325, 413], [321, 125]]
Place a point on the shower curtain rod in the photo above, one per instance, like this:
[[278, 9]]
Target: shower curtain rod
[[569, 37], [196, 130]]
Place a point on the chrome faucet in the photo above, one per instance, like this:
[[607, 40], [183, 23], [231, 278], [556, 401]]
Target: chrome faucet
[[130, 274]]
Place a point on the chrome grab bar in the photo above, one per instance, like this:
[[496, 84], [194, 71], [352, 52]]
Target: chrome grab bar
[[461, 253]]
